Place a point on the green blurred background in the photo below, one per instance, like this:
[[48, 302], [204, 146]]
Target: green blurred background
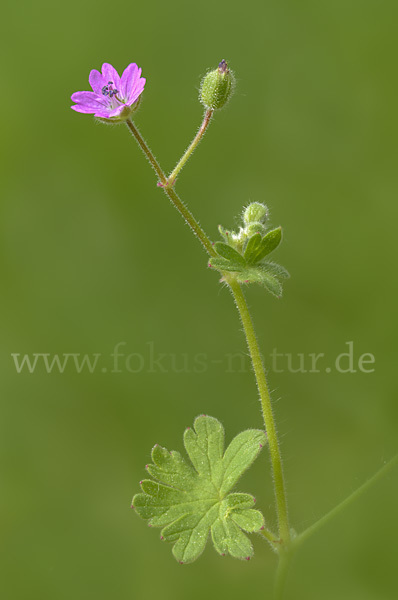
[[93, 255]]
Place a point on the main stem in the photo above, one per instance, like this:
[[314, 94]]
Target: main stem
[[276, 459], [281, 575]]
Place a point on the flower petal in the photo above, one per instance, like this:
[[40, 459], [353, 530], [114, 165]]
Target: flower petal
[[128, 80], [89, 99], [103, 114], [81, 108], [95, 80], [136, 91], [110, 74], [116, 111]]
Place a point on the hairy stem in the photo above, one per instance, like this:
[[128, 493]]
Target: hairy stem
[[169, 191], [271, 537], [276, 459], [193, 145], [281, 575]]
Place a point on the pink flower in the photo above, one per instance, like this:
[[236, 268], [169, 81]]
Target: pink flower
[[112, 97]]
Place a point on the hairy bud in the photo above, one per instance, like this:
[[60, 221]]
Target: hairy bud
[[217, 87], [255, 213]]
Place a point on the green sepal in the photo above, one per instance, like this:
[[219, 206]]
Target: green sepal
[[229, 253], [191, 499], [224, 233]]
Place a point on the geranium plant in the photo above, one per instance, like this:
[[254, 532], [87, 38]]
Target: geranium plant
[[191, 498]]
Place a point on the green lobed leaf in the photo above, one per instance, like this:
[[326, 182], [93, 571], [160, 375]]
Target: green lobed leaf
[[229, 253], [189, 500]]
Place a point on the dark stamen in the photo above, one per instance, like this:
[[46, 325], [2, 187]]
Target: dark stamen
[[108, 90], [223, 67]]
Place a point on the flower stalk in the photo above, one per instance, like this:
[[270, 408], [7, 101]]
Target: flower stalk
[[193, 145]]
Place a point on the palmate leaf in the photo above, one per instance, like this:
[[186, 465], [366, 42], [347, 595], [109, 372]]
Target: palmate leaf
[[191, 499]]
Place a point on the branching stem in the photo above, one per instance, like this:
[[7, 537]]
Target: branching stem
[[170, 192]]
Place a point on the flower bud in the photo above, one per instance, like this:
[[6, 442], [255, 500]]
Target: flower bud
[[255, 213], [255, 227], [217, 87]]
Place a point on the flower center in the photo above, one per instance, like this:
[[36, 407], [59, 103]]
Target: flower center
[[109, 90]]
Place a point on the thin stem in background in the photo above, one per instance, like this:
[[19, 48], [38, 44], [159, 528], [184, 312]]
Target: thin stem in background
[[285, 554], [301, 537]]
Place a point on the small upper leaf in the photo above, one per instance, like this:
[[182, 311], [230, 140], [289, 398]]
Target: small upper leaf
[[229, 253], [252, 247], [189, 500], [269, 242]]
